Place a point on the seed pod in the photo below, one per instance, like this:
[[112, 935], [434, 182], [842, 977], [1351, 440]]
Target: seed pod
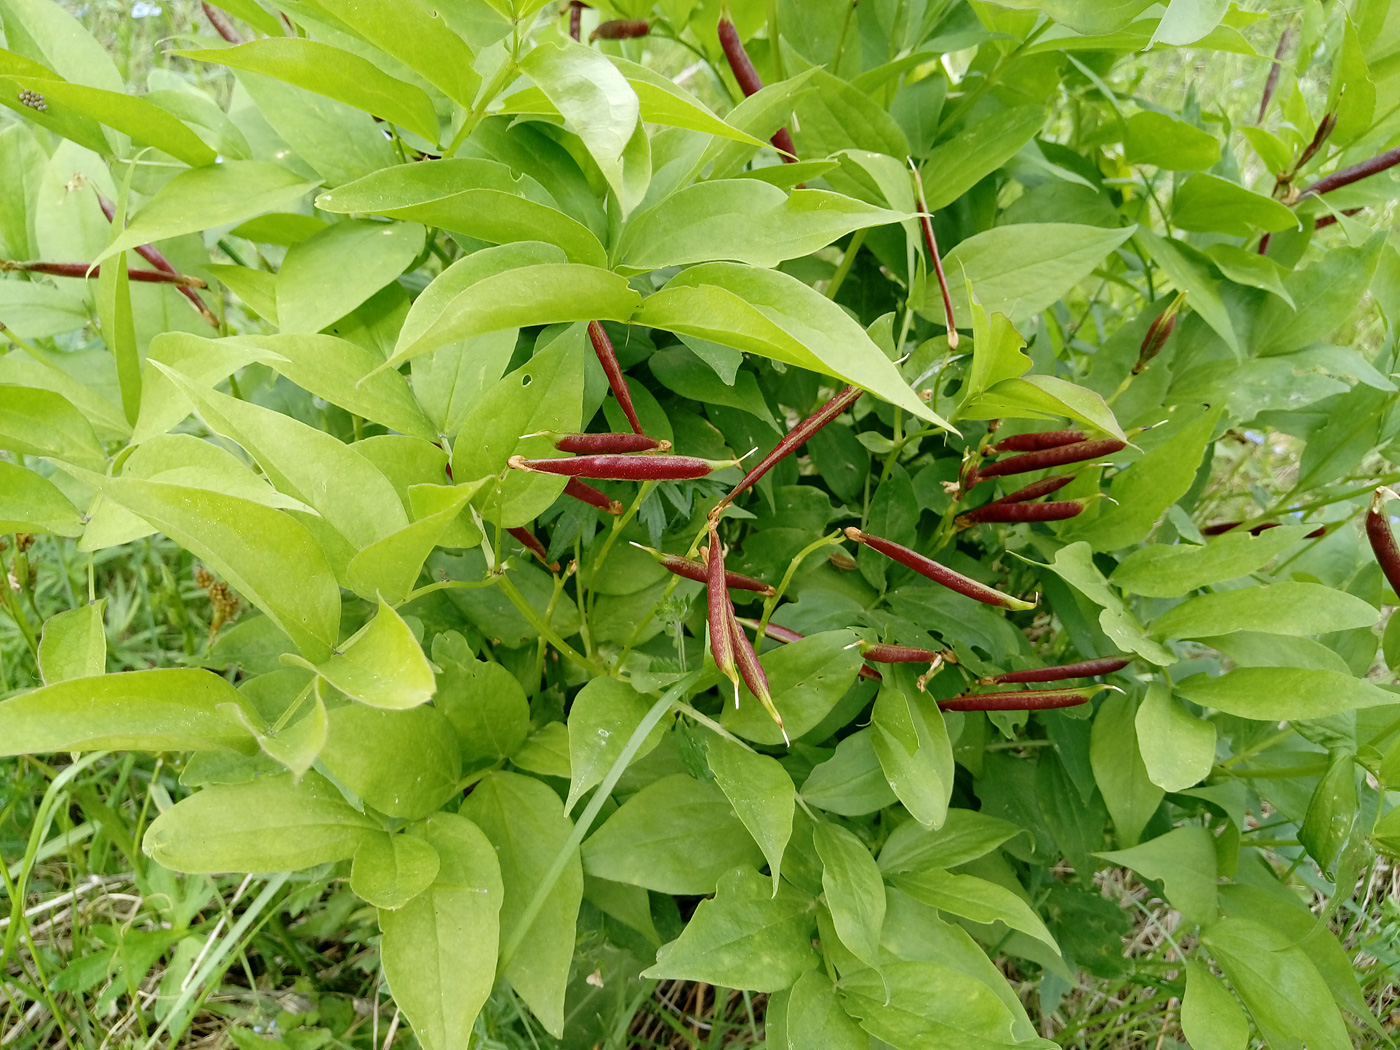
[[749, 82], [1036, 442], [929, 568], [1052, 457], [1010, 513], [1158, 333], [721, 614], [620, 29], [935, 260], [1383, 539], [607, 357], [85, 270], [624, 468], [527, 539], [1324, 130], [883, 653], [576, 18], [1226, 526], [692, 569], [1084, 669], [610, 443], [753, 673], [221, 24], [1036, 489], [152, 254], [786, 635], [792, 440], [581, 490], [1023, 700]]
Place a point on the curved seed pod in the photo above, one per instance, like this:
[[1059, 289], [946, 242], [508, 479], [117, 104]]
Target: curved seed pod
[[792, 440], [786, 635], [693, 569], [1355, 173], [622, 467], [1010, 513], [1052, 457], [1084, 669], [607, 357], [149, 252], [929, 568], [620, 29], [581, 490], [753, 673], [527, 539], [1036, 442], [721, 614], [748, 79], [935, 260], [932, 570], [221, 24], [1383, 539], [610, 443], [1022, 700], [1035, 489], [83, 270], [884, 653]]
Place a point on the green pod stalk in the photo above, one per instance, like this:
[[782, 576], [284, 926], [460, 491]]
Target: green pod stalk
[[930, 569]]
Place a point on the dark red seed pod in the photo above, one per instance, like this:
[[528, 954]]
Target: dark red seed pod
[[935, 259], [87, 270], [1052, 457], [576, 19], [1316, 533], [884, 653], [1324, 130], [1023, 700], [610, 443], [1382, 539], [1157, 335], [749, 81], [753, 674], [1355, 173], [154, 255], [607, 357], [581, 490], [1328, 220], [621, 29], [929, 568], [623, 468], [221, 24], [1036, 489], [787, 635], [720, 614], [1084, 669], [692, 569], [1036, 442], [793, 440], [1220, 528], [527, 539], [1011, 513]]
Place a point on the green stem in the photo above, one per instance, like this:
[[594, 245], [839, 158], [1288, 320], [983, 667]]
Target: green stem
[[546, 631], [12, 606], [839, 277], [710, 724], [498, 82], [771, 603], [449, 585]]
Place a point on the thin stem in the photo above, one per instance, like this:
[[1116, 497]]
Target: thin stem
[[546, 631], [839, 277], [771, 604]]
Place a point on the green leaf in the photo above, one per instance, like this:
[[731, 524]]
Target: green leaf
[[171, 709], [42, 423], [854, 890], [1160, 571], [1276, 694], [330, 273], [1151, 485], [599, 104], [996, 353], [1021, 269], [815, 1019], [439, 950], [269, 824], [470, 195], [484, 702], [1043, 397], [74, 644], [975, 899], [1282, 989], [1102, 17], [1183, 860], [964, 836], [911, 741], [119, 332], [662, 101], [851, 781], [744, 220], [770, 313], [1332, 812], [602, 717], [1325, 293], [1277, 608], [49, 34], [1210, 204], [390, 567], [1177, 748], [744, 937], [30, 502], [1119, 769], [762, 794], [216, 195], [264, 554], [390, 870], [35, 311], [676, 835], [325, 70], [1075, 565], [298, 745], [1249, 268], [1166, 142], [806, 679], [1189, 271], [955, 166], [403, 763], [1211, 1018], [381, 665], [525, 821], [1187, 21], [545, 751]]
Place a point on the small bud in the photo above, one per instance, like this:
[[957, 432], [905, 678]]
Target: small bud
[[1158, 333]]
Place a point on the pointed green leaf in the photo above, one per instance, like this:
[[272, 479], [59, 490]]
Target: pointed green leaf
[[330, 273], [403, 763], [1161, 571], [1119, 769], [29, 502], [74, 644], [390, 870], [854, 890], [806, 679], [1184, 861], [1275, 694], [975, 899], [382, 665], [1177, 748], [1211, 1018], [912, 743], [42, 423], [964, 836], [761, 792], [1290, 607], [602, 718]]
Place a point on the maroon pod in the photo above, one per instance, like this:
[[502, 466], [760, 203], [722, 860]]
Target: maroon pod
[[749, 82], [720, 614], [1036, 489], [1383, 539], [1023, 700], [1012, 513], [1084, 669], [597, 444], [622, 468], [1035, 442], [607, 357], [691, 569], [753, 674], [931, 569], [620, 29], [581, 490], [1052, 457], [527, 539]]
